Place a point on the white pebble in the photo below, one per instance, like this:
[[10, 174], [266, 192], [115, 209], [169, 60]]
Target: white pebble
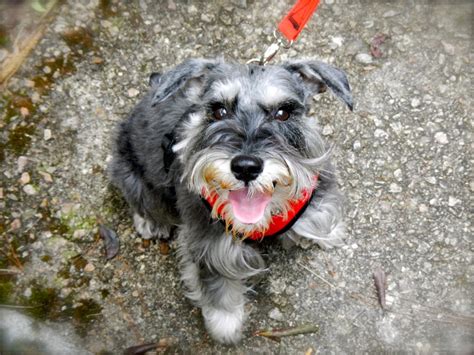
[[395, 188], [133, 92], [363, 58], [441, 138], [47, 134], [415, 102], [29, 190]]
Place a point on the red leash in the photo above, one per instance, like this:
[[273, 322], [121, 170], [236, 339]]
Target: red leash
[[294, 22]]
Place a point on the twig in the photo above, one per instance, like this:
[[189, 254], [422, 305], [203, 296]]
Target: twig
[[9, 272], [12, 306], [315, 274], [143, 348], [16, 59], [380, 281], [275, 334]]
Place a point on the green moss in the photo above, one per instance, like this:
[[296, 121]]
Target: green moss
[[19, 139], [45, 303], [46, 258], [6, 290], [105, 8], [52, 223], [104, 293], [79, 39]]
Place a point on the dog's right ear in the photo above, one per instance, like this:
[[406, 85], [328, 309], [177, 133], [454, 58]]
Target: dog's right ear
[[317, 76], [189, 76]]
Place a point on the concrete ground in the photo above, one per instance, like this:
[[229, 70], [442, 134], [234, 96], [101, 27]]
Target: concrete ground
[[403, 158]]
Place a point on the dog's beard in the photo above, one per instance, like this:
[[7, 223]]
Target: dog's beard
[[249, 208]]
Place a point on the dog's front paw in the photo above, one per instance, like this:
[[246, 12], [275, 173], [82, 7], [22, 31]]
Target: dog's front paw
[[224, 326], [149, 230]]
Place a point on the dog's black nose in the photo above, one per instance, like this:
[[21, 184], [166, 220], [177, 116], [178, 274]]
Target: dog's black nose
[[246, 167]]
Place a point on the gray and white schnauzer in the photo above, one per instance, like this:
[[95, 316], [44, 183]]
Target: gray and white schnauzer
[[226, 153]]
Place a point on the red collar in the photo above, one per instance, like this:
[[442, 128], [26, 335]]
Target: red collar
[[279, 223]]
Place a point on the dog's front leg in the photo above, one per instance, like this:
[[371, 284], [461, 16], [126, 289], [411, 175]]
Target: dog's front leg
[[214, 271]]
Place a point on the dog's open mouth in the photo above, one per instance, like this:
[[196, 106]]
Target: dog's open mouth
[[249, 208]]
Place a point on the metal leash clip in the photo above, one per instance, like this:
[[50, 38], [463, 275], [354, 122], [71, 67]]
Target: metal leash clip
[[272, 50]]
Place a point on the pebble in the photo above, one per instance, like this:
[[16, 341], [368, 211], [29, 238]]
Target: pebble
[[390, 13], [276, 314], [25, 178], [415, 102], [1, 192], [363, 58], [423, 208], [398, 174], [430, 180], [395, 188], [16, 224], [89, 267], [46, 176], [135, 293], [441, 138], [29, 190], [453, 201], [47, 135], [21, 163], [356, 146], [133, 92], [328, 130]]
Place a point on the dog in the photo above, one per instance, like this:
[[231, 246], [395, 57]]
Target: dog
[[225, 153]]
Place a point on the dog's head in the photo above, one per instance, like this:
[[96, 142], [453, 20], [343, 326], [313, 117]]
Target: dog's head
[[243, 134]]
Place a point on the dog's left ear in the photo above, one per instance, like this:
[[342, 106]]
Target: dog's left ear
[[184, 78], [316, 76]]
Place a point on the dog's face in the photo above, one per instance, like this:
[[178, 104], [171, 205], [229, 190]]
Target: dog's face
[[245, 137]]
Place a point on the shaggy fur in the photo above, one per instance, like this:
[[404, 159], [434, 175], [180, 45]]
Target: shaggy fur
[[178, 145]]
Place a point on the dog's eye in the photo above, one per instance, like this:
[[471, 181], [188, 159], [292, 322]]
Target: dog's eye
[[281, 115], [220, 113]]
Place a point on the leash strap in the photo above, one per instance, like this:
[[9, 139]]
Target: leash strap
[[294, 22]]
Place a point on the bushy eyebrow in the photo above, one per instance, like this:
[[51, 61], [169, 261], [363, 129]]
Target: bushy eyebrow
[[290, 104]]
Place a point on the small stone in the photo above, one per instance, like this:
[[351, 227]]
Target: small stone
[[363, 58], [97, 60], [25, 178], [21, 163], [453, 201], [29, 190], [16, 224], [27, 293], [430, 180], [328, 130], [35, 97], [79, 234], [133, 92], [1, 193], [24, 111], [441, 138], [423, 208], [395, 188], [47, 135], [276, 314], [135, 293], [415, 102], [398, 174], [89, 267], [47, 70], [46, 176], [356, 146], [206, 18], [390, 13], [192, 10]]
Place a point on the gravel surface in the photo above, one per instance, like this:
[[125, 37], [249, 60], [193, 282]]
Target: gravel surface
[[403, 158]]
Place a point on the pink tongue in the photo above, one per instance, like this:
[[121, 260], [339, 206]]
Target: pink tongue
[[248, 209]]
